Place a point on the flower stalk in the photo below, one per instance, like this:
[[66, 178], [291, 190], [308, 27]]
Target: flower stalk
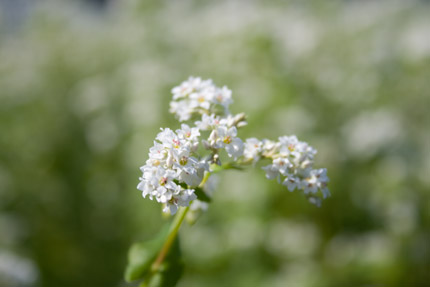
[[173, 232], [174, 229]]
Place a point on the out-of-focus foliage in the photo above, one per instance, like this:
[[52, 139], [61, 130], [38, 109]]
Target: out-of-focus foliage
[[84, 92]]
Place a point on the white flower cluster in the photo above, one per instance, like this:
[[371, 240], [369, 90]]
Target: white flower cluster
[[292, 163], [197, 96], [175, 169], [223, 133], [171, 162]]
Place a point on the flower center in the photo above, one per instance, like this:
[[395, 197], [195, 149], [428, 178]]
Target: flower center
[[291, 147], [183, 160], [227, 139], [177, 143], [163, 181]]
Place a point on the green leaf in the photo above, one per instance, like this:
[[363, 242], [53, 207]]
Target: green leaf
[[170, 271], [140, 258], [142, 254], [201, 195]]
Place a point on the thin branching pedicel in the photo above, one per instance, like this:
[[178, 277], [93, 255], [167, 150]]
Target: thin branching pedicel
[[177, 165]]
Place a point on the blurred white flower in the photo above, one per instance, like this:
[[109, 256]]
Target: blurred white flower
[[252, 149], [16, 271], [199, 97], [292, 163], [371, 131]]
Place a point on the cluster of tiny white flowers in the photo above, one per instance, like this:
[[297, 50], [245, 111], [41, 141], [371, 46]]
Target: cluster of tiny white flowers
[[170, 163], [175, 168], [292, 164], [223, 134], [197, 96]]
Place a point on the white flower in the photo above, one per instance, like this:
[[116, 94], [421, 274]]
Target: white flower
[[169, 139], [292, 162], [234, 120], [183, 199], [278, 167], [181, 109], [291, 182], [252, 149], [227, 139], [268, 145], [208, 122], [223, 97], [271, 171], [282, 165], [189, 135], [191, 86], [309, 185], [321, 179], [171, 163], [199, 97]]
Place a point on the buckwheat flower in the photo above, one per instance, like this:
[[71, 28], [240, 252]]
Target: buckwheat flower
[[252, 149], [227, 139], [193, 175], [190, 135], [193, 96], [201, 99], [238, 120], [171, 162], [280, 166], [159, 184], [291, 182], [292, 162], [309, 185], [208, 122], [181, 109], [288, 142], [321, 180], [223, 97], [169, 139], [191, 86], [182, 197], [269, 147], [157, 154], [271, 172], [156, 182]]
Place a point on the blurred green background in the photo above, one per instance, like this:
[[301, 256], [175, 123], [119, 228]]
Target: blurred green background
[[85, 87]]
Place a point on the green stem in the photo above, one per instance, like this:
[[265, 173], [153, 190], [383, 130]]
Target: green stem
[[173, 232], [205, 178]]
